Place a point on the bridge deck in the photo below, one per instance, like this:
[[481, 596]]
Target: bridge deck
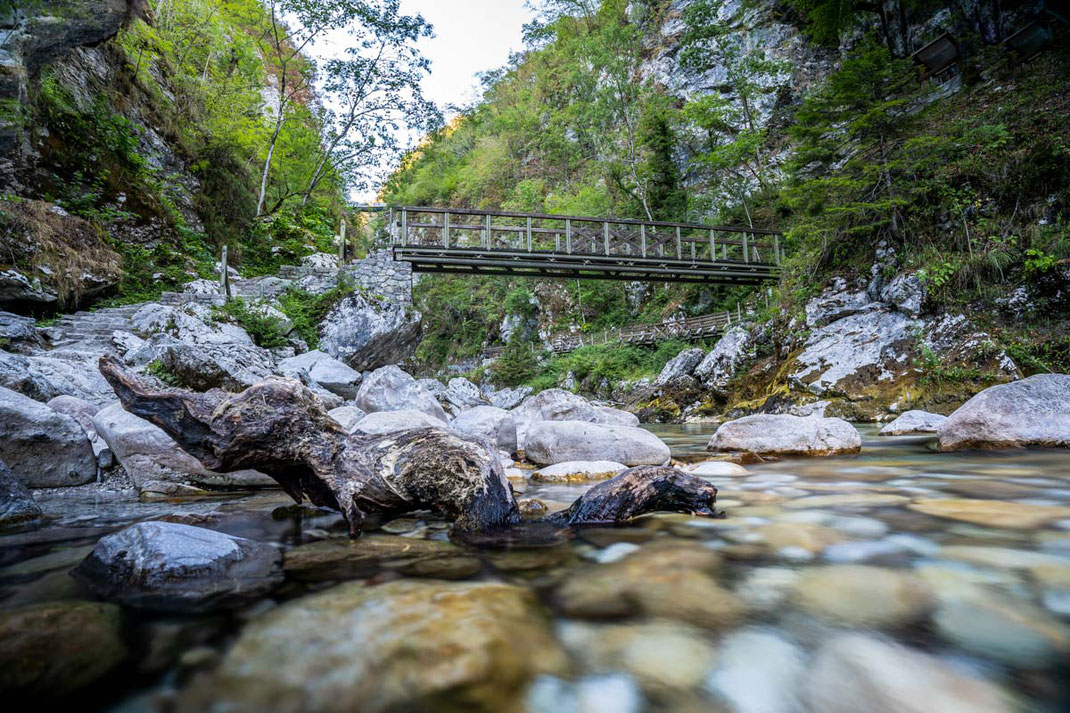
[[475, 242]]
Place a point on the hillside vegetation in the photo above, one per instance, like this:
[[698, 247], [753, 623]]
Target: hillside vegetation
[[970, 188]]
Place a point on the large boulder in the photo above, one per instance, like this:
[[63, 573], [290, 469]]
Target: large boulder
[[201, 356], [368, 333], [837, 301], [463, 394], [393, 421], [405, 645], [550, 442], [780, 434], [850, 355], [43, 448], [914, 422], [488, 422], [719, 367], [1030, 412], [59, 373], [157, 465], [906, 293], [166, 566], [509, 398], [391, 389], [18, 334], [562, 405], [683, 364], [83, 412], [18, 509], [325, 370]]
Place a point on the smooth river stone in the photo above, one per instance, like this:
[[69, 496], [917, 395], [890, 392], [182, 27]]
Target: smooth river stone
[[717, 467], [1003, 557], [992, 513], [666, 579], [52, 650], [812, 538], [871, 500], [759, 671], [991, 488], [659, 655], [857, 672], [1014, 632], [343, 558], [861, 595], [402, 646], [578, 471]]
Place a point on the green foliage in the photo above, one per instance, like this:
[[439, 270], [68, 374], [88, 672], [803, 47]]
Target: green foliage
[[306, 310], [264, 329], [516, 365], [612, 363], [157, 369], [283, 238]]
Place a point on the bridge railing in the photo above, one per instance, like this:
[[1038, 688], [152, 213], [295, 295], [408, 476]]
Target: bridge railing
[[456, 228]]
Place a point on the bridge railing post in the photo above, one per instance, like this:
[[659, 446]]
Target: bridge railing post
[[487, 239], [713, 246], [642, 238], [679, 245], [605, 237], [776, 249], [568, 235], [529, 233], [446, 230], [404, 236], [746, 250]]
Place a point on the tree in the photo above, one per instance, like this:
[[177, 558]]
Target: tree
[[736, 136], [294, 26], [377, 92]]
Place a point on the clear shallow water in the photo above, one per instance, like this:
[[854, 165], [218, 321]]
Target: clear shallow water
[[810, 550]]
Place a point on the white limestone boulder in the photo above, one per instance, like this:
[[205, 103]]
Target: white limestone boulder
[[391, 389], [914, 422], [325, 370], [393, 421], [780, 434], [488, 422], [1030, 412], [43, 448], [578, 471], [550, 442]]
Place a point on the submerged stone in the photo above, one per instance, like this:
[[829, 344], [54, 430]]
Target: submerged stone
[[992, 513], [404, 645], [171, 567], [862, 595], [344, 558], [49, 651]]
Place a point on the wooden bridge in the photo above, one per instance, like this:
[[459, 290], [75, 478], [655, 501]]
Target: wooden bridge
[[710, 325], [475, 242]]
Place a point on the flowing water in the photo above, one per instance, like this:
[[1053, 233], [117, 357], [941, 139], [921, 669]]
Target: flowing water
[[832, 584]]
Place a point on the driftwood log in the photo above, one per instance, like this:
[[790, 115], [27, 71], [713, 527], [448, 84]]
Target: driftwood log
[[280, 428]]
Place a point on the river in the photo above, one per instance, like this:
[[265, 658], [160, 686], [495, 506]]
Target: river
[[810, 551]]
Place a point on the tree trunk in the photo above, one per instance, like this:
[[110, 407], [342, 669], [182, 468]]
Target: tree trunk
[[280, 428]]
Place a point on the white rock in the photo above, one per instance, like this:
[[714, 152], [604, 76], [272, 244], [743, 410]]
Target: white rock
[[43, 448], [463, 394], [759, 672], [914, 422], [552, 442], [347, 417], [561, 405], [854, 672], [719, 367], [683, 364], [489, 422], [391, 389], [1030, 412], [780, 434], [571, 471], [393, 421], [325, 370], [717, 467]]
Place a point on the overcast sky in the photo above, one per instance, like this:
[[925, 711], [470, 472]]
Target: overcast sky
[[471, 36]]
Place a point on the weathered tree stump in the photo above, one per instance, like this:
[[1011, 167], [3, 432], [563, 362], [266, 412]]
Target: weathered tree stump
[[280, 428]]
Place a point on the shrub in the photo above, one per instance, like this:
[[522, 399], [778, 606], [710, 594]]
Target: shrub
[[265, 330]]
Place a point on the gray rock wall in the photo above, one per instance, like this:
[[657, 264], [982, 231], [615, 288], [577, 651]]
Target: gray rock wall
[[381, 275]]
